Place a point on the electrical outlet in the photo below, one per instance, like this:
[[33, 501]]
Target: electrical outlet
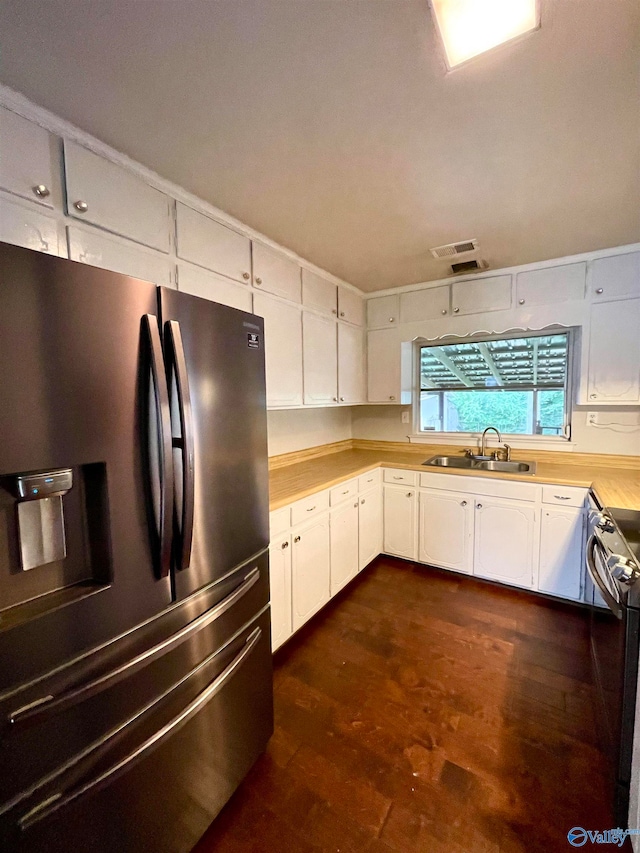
[[405, 417]]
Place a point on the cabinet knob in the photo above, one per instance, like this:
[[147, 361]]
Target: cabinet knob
[[478, 506], [81, 206], [409, 494], [444, 311], [258, 280], [246, 276], [356, 504], [392, 397], [342, 399], [592, 396], [392, 319], [342, 313], [463, 503], [41, 190], [334, 310], [285, 545], [335, 399], [599, 290], [296, 538], [456, 310], [521, 301], [362, 501]]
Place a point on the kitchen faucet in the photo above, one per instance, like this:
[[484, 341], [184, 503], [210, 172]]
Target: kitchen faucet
[[484, 438], [481, 455]]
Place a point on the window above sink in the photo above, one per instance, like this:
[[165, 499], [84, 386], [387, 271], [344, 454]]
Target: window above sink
[[519, 383]]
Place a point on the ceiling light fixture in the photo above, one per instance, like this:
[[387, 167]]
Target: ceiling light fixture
[[471, 27]]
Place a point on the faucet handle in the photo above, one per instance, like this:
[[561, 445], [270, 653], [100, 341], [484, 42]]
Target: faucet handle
[[507, 453], [468, 453]]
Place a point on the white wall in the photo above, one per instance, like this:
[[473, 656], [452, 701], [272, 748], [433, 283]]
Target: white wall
[[297, 429], [618, 430]]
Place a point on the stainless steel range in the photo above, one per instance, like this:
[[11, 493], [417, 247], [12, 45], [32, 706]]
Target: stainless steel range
[[613, 564]]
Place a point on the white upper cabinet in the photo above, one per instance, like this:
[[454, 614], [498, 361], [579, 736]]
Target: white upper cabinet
[[276, 273], [504, 541], [25, 158], [383, 311], [613, 354], [210, 244], [617, 277], [561, 547], [318, 293], [383, 366], [320, 359], [25, 225], [216, 288], [350, 306], [110, 253], [480, 295], [350, 364], [105, 194], [426, 304], [283, 350], [553, 284]]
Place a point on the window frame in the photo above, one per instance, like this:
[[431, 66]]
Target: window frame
[[434, 435]]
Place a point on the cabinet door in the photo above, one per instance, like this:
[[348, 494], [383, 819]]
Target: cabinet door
[[283, 350], [382, 312], [446, 530], [370, 526], [210, 244], [310, 571], [400, 523], [428, 304], [383, 366], [483, 294], [350, 364], [614, 353], [344, 544], [561, 552], [504, 541], [320, 359], [217, 288], [24, 225], [110, 253], [318, 293], [276, 273], [553, 284], [280, 585], [105, 194], [615, 277], [25, 158], [350, 306]]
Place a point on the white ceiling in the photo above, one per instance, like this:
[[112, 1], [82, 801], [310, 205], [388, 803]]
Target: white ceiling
[[332, 127]]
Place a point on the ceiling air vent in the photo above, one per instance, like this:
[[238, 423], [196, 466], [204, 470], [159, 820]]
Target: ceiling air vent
[[468, 266], [454, 249]]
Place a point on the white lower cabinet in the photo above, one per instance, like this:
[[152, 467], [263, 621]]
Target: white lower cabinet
[[400, 522], [344, 544], [280, 590], [446, 530], [310, 570], [504, 541], [369, 526], [561, 552]]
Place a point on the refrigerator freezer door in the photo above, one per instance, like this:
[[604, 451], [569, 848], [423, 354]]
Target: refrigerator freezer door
[[215, 365], [72, 373]]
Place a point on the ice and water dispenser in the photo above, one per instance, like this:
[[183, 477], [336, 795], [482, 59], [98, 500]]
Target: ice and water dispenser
[[40, 516]]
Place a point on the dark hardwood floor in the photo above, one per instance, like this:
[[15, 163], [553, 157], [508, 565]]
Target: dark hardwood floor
[[424, 711]]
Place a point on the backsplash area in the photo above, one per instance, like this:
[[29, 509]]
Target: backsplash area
[[297, 429]]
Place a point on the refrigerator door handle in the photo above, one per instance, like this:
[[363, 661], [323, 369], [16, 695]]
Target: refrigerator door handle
[[61, 799], [178, 365], [41, 709], [160, 460]]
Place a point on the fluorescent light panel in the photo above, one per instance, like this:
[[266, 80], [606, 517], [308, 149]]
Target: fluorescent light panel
[[471, 27]]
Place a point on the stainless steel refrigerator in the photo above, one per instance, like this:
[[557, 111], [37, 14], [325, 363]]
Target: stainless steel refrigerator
[[135, 661]]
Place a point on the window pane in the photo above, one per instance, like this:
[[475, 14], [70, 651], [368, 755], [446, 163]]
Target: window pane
[[550, 413], [472, 411]]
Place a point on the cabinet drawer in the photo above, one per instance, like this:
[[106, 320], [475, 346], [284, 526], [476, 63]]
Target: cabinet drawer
[[369, 480], [279, 521], [104, 194], [342, 492], [308, 508], [407, 478], [563, 495]]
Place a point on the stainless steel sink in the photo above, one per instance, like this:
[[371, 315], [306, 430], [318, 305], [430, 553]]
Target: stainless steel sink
[[474, 464]]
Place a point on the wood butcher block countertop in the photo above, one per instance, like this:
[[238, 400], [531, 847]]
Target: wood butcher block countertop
[[615, 479]]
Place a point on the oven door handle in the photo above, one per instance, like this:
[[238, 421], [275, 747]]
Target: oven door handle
[[612, 604]]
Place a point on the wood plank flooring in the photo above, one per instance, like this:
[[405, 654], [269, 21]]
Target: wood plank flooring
[[424, 711]]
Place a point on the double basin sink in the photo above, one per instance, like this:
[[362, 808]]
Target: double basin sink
[[481, 463]]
